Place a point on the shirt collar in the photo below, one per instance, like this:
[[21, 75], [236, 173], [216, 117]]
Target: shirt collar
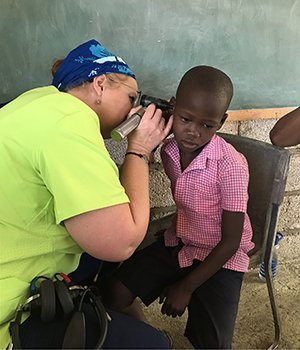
[[211, 151]]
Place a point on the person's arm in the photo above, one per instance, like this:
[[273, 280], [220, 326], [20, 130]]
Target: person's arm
[[286, 131], [113, 233], [176, 297]]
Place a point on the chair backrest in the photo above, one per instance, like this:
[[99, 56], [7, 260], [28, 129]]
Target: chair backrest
[[268, 168]]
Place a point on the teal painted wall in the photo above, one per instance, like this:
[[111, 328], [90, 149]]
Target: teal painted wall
[[256, 42]]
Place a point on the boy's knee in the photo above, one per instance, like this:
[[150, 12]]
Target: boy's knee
[[118, 297]]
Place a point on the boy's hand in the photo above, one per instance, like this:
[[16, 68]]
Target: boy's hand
[[175, 299]]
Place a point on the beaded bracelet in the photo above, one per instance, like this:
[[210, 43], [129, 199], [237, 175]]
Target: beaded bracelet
[[142, 156]]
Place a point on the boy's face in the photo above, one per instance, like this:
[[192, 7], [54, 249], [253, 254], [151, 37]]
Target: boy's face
[[195, 124]]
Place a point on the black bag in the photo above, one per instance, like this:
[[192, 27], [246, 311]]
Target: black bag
[[58, 299]]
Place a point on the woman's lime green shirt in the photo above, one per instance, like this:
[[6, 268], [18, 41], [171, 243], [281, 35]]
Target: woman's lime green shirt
[[53, 165]]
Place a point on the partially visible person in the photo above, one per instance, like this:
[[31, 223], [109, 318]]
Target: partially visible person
[[201, 261], [62, 194], [286, 131]]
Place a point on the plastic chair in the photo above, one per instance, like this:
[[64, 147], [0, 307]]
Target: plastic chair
[[268, 167]]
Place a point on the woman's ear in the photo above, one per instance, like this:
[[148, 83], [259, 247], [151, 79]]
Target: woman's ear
[[98, 84]]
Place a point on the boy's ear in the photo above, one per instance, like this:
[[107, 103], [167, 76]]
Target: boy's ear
[[223, 120]]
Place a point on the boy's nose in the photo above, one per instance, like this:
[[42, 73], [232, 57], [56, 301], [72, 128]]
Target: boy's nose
[[194, 131]]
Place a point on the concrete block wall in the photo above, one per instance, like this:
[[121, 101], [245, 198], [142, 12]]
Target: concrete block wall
[[160, 195]]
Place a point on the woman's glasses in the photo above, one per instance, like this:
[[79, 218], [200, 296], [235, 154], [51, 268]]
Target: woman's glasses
[[138, 92]]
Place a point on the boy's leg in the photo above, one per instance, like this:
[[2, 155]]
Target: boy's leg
[[213, 310], [119, 298], [144, 275]]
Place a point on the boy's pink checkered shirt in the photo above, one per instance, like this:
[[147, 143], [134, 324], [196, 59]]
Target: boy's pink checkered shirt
[[216, 179]]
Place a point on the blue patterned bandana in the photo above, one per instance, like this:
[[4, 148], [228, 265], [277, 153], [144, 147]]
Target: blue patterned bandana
[[87, 61]]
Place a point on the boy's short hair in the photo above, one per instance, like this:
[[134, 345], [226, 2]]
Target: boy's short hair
[[208, 80]]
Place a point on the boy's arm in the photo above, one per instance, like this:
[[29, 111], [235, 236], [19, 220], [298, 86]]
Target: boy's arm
[[286, 131], [176, 297]]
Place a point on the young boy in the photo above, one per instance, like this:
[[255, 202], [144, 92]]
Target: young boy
[[201, 261]]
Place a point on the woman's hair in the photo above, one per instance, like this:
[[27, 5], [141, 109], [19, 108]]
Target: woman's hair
[[55, 66]]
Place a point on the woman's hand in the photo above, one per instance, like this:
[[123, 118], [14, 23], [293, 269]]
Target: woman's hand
[[150, 132]]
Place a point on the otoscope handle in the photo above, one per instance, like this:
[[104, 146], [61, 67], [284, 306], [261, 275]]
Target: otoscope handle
[[121, 131]]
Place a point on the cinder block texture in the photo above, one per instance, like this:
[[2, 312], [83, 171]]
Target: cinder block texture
[[293, 180], [157, 213], [289, 216], [160, 191], [156, 155], [257, 129], [116, 150], [230, 128]]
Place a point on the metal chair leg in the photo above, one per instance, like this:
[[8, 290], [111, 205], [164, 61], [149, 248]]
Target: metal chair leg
[[275, 311], [268, 272]]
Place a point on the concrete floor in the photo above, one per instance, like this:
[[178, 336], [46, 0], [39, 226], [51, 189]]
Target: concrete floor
[[254, 325]]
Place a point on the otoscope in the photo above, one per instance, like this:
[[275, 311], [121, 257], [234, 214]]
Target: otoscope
[[121, 131]]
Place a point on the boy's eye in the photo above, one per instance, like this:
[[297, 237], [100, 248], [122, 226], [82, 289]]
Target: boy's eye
[[185, 120], [206, 126]]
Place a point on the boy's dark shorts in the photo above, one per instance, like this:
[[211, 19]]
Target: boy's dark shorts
[[213, 307]]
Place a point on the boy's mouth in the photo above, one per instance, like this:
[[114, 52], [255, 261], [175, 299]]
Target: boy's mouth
[[188, 144]]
